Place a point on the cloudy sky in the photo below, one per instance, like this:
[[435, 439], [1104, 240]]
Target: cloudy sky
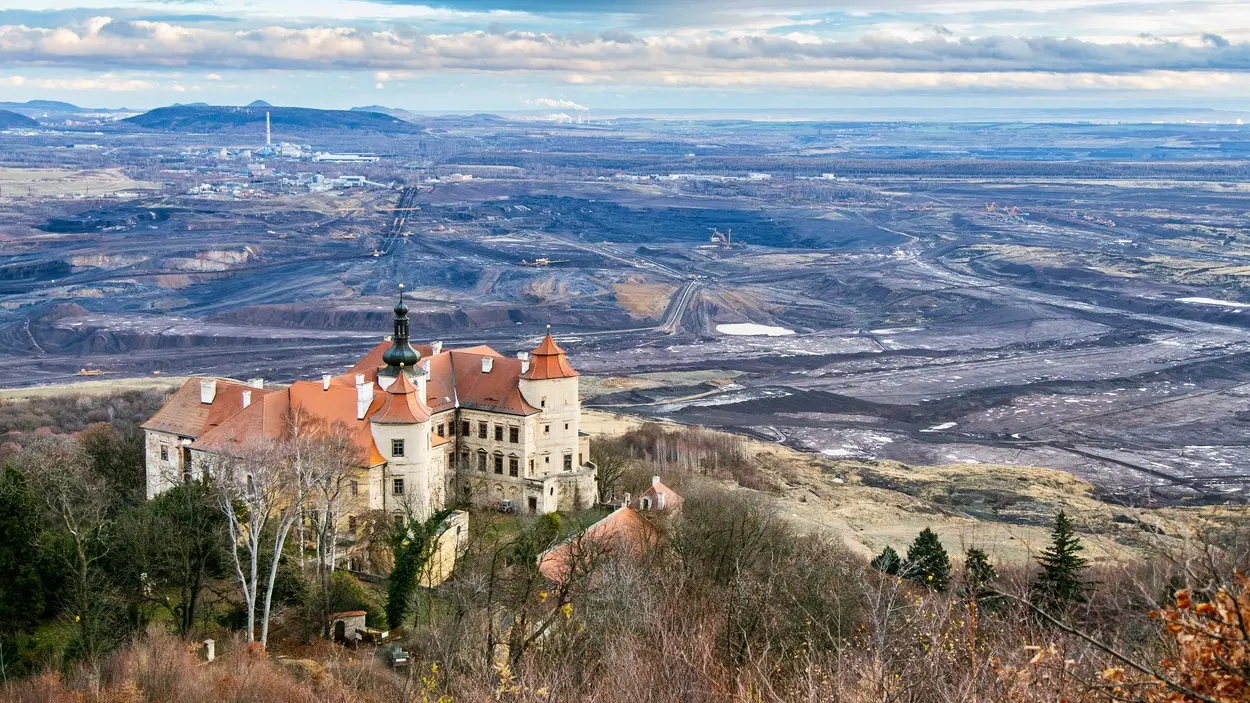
[[505, 55]]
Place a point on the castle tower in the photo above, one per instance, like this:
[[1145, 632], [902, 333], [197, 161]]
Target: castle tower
[[415, 476], [549, 383], [401, 358]]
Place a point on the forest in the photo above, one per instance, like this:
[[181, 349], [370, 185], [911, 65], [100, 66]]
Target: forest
[[107, 596]]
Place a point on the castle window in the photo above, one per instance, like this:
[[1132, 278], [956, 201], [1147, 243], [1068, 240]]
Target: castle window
[[542, 403], [481, 460], [566, 425], [399, 520], [514, 466], [499, 464], [514, 434], [498, 433], [464, 428], [397, 486], [355, 487], [481, 430], [531, 466], [397, 447], [546, 429], [164, 452], [568, 462], [442, 430]]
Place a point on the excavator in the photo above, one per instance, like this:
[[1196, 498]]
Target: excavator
[[725, 239]]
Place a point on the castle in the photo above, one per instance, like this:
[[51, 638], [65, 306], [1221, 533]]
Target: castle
[[437, 426]]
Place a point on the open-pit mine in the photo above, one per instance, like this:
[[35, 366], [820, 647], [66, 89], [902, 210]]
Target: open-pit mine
[[1074, 296]]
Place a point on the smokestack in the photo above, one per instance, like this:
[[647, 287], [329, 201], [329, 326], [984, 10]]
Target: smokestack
[[325, 382], [208, 390], [268, 139]]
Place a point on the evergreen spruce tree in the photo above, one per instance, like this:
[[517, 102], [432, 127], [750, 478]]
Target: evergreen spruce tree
[[979, 573], [927, 562], [1059, 586], [888, 561]]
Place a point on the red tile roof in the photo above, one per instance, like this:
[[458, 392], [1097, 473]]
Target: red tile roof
[[623, 532], [401, 405], [186, 416], [495, 390], [548, 361], [268, 419], [672, 499]]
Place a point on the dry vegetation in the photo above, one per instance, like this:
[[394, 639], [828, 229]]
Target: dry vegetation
[[641, 298], [742, 597]]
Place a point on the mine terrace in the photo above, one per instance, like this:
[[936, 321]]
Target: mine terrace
[[1076, 295]]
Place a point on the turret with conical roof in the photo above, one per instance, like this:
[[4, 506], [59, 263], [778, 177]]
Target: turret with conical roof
[[401, 357], [548, 361]]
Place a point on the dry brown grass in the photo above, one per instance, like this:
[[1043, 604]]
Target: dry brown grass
[[643, 299]]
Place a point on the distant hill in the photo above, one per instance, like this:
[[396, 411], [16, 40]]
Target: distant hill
[[12, 120], [397, 112], [217, 118], [259, 103]]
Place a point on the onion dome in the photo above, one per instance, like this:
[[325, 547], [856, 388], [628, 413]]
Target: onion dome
[[401, 357]]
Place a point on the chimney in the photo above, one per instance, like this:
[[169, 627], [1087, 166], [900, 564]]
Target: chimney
[[523, 355], [364, 397], [655, 480], [325, 382], [525, 365], [256, 382], [425, 365], [488, 362], [625, 503], [247, 398], [208, 390], [360, 378], [436, 348]]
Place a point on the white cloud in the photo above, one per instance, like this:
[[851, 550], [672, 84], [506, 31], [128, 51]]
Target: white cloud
[[893, 55]]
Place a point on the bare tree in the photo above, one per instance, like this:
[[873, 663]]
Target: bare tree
[[334, 458], [263, 486]]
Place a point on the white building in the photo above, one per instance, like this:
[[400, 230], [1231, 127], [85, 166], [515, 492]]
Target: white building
[[436, 426]]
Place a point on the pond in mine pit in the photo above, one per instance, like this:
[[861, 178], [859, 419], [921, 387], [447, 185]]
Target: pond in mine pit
[[748, 329]]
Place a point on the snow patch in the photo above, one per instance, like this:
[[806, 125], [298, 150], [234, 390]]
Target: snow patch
[[1211, 301]]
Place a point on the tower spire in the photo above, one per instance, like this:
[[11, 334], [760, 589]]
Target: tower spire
[[401, 357]]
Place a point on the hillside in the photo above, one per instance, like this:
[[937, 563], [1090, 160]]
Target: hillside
[[11, 120], [218, 118]]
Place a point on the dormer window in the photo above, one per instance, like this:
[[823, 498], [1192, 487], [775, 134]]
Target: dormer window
[[397, 448]]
